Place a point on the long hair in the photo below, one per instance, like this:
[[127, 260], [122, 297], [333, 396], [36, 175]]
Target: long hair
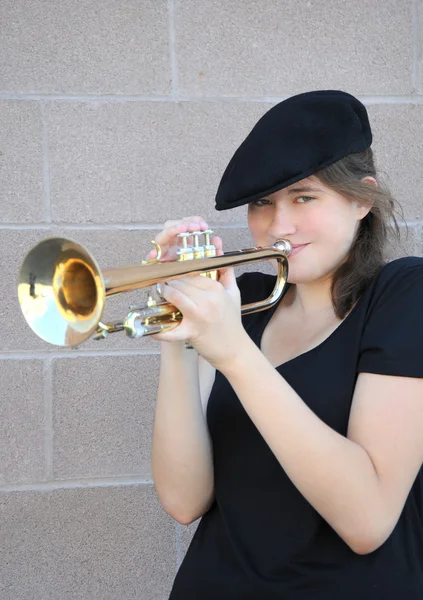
[[367, 253]]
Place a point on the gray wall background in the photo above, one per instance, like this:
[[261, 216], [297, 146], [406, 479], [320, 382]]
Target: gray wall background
[[116, 116]]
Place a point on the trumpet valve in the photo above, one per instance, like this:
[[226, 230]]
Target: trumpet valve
[[198, 250], [209, 249], [186, 252]]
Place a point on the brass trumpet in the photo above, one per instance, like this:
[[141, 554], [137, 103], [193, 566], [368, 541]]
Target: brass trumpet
[[62, 290]]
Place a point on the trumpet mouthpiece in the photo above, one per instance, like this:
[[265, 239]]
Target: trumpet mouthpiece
[[283, 245]]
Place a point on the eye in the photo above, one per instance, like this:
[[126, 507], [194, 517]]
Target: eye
[[304, 199], [261, 202]]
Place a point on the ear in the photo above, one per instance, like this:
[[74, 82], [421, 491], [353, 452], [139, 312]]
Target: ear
[[362, 211], [370, 180]]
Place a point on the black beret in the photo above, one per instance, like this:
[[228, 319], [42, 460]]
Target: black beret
[[293, 140]]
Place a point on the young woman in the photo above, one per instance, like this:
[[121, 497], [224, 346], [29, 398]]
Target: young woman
[[296, 433]]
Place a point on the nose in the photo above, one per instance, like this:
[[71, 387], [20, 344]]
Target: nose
[[282, 224]]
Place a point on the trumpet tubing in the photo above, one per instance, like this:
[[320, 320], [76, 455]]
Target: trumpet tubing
[[62, 290]]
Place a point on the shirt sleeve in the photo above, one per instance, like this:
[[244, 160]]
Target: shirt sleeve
[[392, 341]]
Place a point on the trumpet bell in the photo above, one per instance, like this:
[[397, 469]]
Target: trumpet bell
[[61, 292]]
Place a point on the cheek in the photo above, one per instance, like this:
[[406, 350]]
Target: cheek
[[334, 225], [315, 225], [257, 226]]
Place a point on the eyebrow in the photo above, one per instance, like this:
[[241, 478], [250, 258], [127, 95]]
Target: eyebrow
[[303, 189]]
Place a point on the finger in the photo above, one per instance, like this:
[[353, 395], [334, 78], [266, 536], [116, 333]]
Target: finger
[[166, 238], [172, 228], [194, 292], [227, 279], [173, 292], [177, 334], [168, 234], [217, 242], [194, 281], [186, 224], [194, 223]]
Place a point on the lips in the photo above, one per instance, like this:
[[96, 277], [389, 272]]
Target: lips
[[296, 248]]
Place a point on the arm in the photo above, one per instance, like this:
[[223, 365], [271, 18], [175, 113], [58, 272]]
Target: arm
[[359, 483], [181, 451]]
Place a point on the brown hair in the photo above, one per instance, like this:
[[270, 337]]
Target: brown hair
[[367, 253]]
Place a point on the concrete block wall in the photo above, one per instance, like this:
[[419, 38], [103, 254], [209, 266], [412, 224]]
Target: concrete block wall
[[117, 116]]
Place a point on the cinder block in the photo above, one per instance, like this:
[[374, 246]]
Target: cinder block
[[273, 49], [420, 46], [111, 543], [406, 245], [85, 47], [103, 409], [22, 425], [21, 198], [397, 143], [143, 162]]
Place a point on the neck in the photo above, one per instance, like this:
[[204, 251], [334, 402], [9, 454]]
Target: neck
[[310, 300]]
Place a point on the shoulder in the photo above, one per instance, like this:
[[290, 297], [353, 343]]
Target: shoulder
[[398, 279], [403, 265], [391, 338]]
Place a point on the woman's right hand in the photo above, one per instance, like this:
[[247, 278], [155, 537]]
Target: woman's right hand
[[170, 243]]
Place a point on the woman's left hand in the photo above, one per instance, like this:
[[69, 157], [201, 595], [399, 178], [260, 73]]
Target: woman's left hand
[[211, 315]]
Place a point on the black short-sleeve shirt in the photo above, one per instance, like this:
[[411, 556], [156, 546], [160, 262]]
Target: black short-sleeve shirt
[[261, 539]]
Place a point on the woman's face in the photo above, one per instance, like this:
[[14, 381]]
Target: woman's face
[[319, 223]]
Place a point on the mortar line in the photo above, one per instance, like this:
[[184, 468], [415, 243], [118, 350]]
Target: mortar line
[[89, 482], [172, 50], [108, 227], [416, 8], [373, 99], [131, 226], [30, 355], [46, 164], [48, 417]]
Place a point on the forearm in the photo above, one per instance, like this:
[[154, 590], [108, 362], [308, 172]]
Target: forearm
[[333, 473], [181, 450]]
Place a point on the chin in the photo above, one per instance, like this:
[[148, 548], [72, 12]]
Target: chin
[[298, 275]]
